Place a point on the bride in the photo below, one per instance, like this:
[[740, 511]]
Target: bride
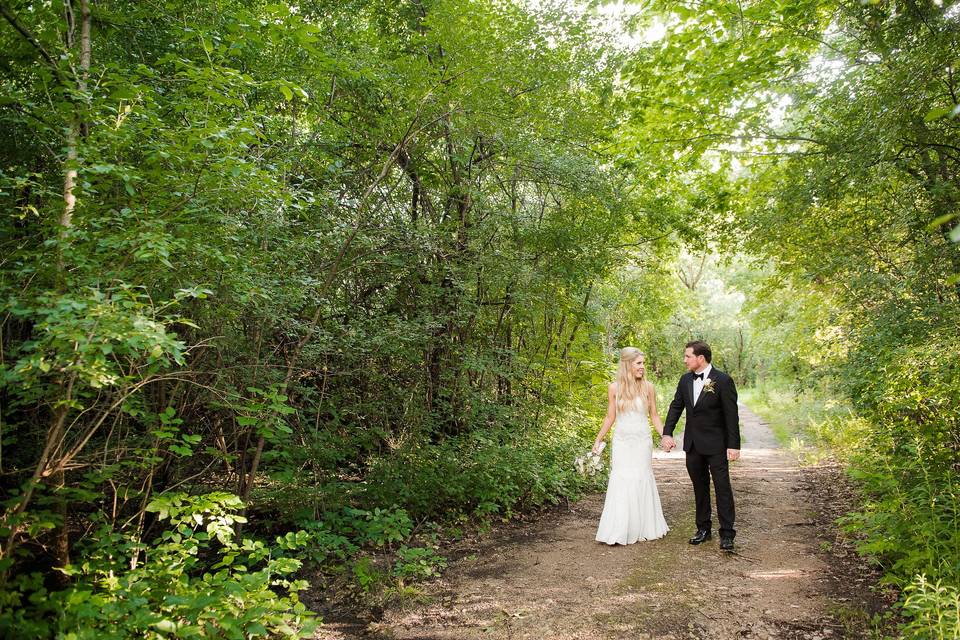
[[631, 510]]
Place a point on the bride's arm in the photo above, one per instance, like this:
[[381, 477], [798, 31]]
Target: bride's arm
[[609, 418], [652, 403]]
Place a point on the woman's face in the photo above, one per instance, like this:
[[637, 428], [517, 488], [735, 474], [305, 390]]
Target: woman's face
[[639, 367]]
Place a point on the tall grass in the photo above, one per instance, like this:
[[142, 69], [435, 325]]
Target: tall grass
[[812, 422]]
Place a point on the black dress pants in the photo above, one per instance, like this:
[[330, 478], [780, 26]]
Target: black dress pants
[[701, 467]]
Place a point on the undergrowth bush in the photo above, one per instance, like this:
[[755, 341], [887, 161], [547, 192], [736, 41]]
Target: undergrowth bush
[[418, 562], [933, 609], [909, 471], [900, 446], [195, 580], [483, 474]]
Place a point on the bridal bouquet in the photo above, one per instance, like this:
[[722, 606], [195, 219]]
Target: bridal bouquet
[[590, 463]]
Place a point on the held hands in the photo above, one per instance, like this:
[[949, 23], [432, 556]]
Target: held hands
[[733, 454], [597, 448], [667, 443]]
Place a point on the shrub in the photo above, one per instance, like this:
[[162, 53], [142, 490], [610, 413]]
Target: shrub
[[491, 473], [418, 563], [933, 609], [195, 580]]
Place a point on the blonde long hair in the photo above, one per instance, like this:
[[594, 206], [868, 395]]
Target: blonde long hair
[[629, 388]]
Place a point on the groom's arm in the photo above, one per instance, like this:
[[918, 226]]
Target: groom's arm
[[731, 415], [673, 413]]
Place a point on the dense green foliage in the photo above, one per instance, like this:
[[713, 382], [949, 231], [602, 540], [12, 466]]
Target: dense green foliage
[[165, 594], [342, 273], [344, 262], [836, 126]]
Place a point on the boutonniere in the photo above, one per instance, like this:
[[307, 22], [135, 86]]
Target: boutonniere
[[710, 386]]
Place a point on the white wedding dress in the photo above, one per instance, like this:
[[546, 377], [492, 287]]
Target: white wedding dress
[[631, 511]]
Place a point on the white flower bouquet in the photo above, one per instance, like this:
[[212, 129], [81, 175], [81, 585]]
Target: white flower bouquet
[[590, 463]]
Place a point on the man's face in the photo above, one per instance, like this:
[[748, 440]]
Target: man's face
[[693, 362]]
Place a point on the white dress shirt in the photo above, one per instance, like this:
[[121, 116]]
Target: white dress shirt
[[699, 382]]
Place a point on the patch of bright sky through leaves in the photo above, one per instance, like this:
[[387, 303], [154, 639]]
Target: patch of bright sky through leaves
[[630, 29]]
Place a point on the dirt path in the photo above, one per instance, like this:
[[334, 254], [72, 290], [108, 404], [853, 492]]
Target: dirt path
[[550, 580]]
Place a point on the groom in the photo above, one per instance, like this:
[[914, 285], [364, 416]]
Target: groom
[[711, 438]]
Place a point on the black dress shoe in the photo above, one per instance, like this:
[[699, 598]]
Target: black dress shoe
[[726, 543], [701, 536]]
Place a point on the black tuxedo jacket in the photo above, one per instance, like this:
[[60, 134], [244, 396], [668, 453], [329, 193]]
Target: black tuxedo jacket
[[713, 424]]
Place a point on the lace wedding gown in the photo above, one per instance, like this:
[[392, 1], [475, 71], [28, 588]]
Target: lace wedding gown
[[631, 510]]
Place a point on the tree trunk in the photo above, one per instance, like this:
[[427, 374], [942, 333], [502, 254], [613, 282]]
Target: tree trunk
[[61, 535], [77, 125]]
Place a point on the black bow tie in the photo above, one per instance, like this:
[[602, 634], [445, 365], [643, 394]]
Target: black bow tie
[[698, 376]]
